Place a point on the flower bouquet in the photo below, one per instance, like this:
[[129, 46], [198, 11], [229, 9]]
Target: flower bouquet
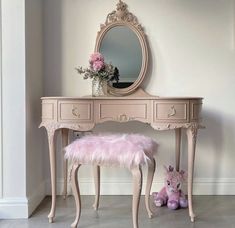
[[100, 72]]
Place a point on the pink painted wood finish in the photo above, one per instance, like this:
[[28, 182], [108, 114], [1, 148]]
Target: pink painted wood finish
[[161, 113]]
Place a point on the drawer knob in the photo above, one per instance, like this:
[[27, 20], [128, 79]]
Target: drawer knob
[[75, 112], [122, 118], [172, 111]]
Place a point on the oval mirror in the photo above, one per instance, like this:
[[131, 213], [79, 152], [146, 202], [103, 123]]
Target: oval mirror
[[121, 41], [120, 46]]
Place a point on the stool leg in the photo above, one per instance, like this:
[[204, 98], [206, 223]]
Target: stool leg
[[137, 187], [76, 193], [96, 173], [151, 170]]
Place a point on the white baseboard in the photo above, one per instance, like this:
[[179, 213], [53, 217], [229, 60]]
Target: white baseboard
[[15, 208], [201, 186], [214, 186]]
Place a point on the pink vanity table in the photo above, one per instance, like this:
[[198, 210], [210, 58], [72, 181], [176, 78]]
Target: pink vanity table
[[122, 105], [83, 113]]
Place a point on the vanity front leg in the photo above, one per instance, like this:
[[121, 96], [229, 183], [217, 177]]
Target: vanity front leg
[[192, 137], [177, 148], [65, 142], [52, 156]]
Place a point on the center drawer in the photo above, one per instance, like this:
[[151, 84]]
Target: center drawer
[[122, 110]]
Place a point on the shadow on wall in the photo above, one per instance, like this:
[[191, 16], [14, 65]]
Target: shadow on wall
[[53, 46], [214, 137], [52, 60], [128, 127], [212, 150]]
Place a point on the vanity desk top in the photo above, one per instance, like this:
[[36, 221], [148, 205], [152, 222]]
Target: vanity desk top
[[122, 98], [82, 113]]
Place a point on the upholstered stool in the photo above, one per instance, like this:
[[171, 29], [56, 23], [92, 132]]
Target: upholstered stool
[[125, 150]]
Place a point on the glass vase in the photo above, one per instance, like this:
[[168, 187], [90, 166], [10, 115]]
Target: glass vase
[[99, 87]]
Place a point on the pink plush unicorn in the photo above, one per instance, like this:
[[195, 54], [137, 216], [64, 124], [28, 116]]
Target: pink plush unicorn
[[171, 194]]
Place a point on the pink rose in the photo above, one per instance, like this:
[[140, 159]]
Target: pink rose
[[98, 65], [96, 57]]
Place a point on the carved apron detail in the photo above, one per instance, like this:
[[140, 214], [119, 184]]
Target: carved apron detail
[[192, 129]]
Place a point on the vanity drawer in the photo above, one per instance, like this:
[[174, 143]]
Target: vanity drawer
[[123, 110], [195, 110], [48, 110], [73, 111], [171, 111]]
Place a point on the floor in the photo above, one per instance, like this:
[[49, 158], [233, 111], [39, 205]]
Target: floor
[[115, 212]]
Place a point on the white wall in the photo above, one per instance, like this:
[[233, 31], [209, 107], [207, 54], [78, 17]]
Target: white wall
[[191, 54], [23, 185], [1, 99], [34, 90], [13, 105]]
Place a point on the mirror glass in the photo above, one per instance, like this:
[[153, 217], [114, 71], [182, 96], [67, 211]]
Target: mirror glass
[[121, 47]]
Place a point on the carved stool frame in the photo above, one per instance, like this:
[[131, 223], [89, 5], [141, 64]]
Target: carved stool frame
[[137, 187]]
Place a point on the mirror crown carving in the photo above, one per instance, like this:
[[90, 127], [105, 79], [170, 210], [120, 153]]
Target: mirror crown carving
[[122, 14]]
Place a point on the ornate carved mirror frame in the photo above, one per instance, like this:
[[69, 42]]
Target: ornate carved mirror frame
[[122, 17]]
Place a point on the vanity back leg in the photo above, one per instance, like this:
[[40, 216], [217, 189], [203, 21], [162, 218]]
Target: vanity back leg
[[65, 142], [177, 148], [96, 173]]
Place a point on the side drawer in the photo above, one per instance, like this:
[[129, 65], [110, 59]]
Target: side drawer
[[74, 111], [195, 110], [48, 110], [171, 111], [123, 110]]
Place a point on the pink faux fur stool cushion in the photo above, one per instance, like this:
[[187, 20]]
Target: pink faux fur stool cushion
[[112, 149]]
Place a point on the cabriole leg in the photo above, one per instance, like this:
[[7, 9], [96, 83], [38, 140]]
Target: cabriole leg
[[137, 187], [52, 156], [151, 170], [76, 193], [191, 135]]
